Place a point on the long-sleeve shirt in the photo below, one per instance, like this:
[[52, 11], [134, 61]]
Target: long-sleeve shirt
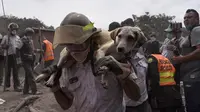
[[27, 49], [14, 43], [139, 62]]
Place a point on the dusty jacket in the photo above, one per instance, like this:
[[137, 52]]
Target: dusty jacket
[[140, 63], [79, 83]]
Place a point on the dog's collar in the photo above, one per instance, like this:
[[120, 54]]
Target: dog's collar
[[135, 54], [134, 51], [128, 55]]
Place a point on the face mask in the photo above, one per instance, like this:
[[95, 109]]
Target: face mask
[[169, 35], [80, 56], [14, 32]]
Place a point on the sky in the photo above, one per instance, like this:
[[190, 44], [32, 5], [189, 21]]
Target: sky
[[101, 12]]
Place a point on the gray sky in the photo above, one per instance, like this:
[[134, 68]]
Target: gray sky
[[101, 12]]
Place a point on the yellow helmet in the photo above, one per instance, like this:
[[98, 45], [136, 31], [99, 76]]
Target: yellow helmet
[[76, 28]]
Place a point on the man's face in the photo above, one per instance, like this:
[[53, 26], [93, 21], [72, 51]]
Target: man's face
[[79, 51], [170, 35], [30, 35], [13, 31], [190, 20]]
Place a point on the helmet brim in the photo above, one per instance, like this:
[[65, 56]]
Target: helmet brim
[[72, 34]]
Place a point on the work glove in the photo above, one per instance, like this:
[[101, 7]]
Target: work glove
[[121, 70]]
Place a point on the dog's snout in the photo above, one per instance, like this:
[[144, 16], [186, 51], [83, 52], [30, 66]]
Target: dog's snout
[[121, 49]]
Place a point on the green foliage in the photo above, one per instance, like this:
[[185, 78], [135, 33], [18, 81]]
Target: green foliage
[[22, 22], [153, 24], [147, 22]]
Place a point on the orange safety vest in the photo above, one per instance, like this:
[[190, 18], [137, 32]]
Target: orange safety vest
[[48, 55], [166, 70]]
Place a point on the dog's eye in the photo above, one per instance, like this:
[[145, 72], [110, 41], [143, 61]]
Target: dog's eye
[[119, 36], [130, 38]]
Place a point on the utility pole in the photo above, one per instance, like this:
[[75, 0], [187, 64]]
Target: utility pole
[[6, 59], [3, 8]]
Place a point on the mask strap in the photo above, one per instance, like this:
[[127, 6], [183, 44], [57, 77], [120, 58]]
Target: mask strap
[[92, 56]]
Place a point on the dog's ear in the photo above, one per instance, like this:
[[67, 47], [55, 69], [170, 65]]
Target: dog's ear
[[114, 33], [142, 38]]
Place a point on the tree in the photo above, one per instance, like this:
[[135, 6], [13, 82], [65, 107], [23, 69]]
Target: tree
[[22, 22], [153, 23]]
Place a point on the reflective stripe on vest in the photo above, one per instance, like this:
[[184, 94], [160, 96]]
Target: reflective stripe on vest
[[48, 55], [166, 70]]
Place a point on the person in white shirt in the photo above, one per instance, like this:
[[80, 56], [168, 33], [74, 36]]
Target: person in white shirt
[[11, 43]]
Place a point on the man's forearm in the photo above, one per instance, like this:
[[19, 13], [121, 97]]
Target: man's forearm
[[130, 88], [195, 55], [62, 99]]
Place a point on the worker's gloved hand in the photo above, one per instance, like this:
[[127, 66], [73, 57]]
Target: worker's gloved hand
[[110, 62], [120, 69]]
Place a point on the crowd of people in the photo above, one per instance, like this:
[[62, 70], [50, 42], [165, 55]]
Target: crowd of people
[[153, 77], [19, 52]]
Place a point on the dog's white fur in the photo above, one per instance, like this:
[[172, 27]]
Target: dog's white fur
[[124, 40]]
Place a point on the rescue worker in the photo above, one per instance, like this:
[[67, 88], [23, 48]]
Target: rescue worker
[[48, 54], [164, 94], [128, 22], [140, 65], [12, 43], [1, 62], [190, 64], [27, 56], [113, 26], [171, 45], [79, 83]]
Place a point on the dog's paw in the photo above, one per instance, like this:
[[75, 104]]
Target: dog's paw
[[50, 82], [102, 70], [41, 77]]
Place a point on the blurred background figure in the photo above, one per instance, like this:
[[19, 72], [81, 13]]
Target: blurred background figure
[[113, 26]]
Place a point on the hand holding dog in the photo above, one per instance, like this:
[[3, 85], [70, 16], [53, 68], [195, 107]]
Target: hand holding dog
[[122, 70]]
